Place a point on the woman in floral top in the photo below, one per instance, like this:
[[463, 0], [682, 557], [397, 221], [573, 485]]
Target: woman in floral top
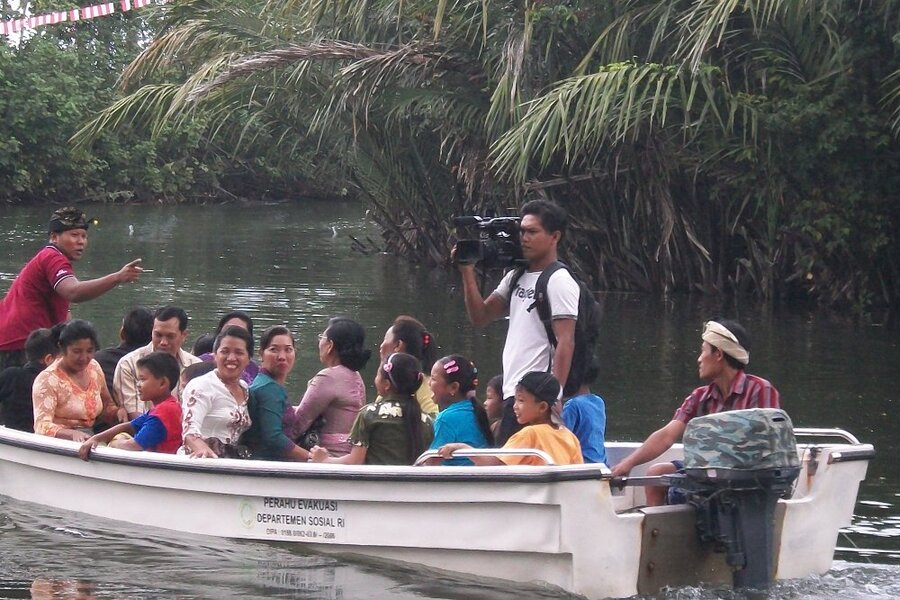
[[71, 393], [215, 405]]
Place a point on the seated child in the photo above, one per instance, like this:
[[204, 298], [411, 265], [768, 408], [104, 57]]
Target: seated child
[[493, 402], [203, 345], [461, 417], [584, 414], [536, 394], [157, 430], [16, 406], [392, 430], [195, 370]]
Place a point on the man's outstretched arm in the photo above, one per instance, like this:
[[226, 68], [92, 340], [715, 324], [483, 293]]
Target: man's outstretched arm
[[658, 442], [74, 290]]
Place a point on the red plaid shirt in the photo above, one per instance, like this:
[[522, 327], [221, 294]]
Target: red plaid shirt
[[747, 391]]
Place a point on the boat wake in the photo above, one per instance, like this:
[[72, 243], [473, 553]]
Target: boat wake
[[845, 581], [69, 531]]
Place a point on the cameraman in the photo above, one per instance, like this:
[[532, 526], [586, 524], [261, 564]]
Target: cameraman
[[527, 347]]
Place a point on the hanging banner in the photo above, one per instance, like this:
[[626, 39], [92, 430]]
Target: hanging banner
[[14, 26]]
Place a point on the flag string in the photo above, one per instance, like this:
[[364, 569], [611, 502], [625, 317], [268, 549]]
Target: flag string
[[13, 26]]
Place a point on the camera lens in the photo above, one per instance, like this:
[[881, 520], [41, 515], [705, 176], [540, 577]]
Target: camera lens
[[468, 251]]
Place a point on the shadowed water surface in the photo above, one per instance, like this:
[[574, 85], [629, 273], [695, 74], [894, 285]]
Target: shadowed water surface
[[70, 555], [282, 263]]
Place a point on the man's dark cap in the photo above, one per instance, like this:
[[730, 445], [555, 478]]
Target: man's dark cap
[[543, 385], [67, 218]]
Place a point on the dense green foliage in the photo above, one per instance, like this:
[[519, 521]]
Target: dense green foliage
[[714, 145], [56, 78], [751, 139]]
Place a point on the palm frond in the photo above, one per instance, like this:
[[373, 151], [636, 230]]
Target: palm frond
[[891, 100], [617, 41], [578, 117], [280, 57], [707, 23], [150, 102]]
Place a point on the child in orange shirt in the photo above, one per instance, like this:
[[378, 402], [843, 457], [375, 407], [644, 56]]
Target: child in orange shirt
[[536, 393]]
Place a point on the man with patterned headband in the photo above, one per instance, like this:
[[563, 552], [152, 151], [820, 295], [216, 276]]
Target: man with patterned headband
[[724, 354], [42, 292]]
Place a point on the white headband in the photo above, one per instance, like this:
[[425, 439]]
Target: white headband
[[719, 336]]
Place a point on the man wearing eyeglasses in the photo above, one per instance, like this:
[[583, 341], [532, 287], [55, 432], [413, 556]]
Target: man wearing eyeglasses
[[724, 354], [41, 294]]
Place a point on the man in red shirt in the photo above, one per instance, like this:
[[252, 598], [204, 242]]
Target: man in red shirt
[[42, 292], [724, 353]]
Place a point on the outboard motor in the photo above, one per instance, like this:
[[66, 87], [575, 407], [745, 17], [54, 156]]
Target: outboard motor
[[737, 465]]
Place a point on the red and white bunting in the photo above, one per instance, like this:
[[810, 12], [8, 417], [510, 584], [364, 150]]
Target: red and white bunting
[[13, 26]]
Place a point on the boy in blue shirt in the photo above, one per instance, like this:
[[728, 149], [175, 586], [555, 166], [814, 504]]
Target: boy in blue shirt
[[157, 430], [584, 414]]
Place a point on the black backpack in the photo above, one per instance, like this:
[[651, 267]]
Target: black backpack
[[587, 327]]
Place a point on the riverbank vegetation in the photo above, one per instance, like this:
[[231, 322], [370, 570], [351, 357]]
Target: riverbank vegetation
[[56, 78], [720, 146]]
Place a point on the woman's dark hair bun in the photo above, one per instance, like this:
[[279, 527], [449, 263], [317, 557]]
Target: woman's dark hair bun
[[349, 340]]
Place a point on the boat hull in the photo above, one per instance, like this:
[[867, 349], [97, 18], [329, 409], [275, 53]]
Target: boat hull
[[560, 525]]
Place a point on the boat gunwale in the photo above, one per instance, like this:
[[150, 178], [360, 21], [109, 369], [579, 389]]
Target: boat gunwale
[[293, 470], [851, 454]]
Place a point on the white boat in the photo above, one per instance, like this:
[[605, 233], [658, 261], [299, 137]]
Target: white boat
[[561, 525]]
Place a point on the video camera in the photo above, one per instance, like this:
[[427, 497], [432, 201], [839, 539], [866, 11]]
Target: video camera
[[497, 246]]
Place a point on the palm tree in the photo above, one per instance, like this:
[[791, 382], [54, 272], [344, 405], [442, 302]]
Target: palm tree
[[664, 126], [681, 118]]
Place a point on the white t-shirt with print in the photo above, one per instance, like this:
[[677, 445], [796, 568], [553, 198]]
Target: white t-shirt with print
[[527, 347]]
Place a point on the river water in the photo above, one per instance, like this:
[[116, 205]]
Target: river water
[[284, 263]]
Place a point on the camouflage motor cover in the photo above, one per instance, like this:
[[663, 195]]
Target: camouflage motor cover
[[753, 439]]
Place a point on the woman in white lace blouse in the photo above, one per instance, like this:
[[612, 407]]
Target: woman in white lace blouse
[[215, 405]]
